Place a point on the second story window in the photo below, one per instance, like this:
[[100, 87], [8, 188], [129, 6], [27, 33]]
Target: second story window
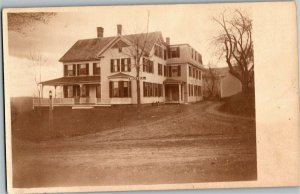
[[83, 69], [160, 70], [69, 70], [190, 71], [126, 65], [174, 52], [165, 71], [175, 71], [148, 66], [114, 65], [159, 51], [96, 68]]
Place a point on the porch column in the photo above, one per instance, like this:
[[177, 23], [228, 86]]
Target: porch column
[[42, 87], [179, 91], [80, 90], [54, 91]]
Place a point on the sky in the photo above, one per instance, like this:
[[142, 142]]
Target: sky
[[190, 24]]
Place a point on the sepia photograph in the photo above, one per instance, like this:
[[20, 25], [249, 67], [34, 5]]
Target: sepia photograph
[[131, 95]]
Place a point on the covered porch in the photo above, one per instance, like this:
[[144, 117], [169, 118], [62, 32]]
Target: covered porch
[[80, 90], [174, 91]]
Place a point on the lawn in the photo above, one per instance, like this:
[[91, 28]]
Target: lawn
[[125, 145]]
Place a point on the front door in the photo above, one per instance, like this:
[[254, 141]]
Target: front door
[[172, 93], [76, 94]]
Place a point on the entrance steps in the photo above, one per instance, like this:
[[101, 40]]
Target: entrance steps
[[82, 107]]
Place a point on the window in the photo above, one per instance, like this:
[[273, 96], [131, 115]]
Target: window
[[70, 92], [96, 68], [200, 75], [190, 71], [120, 89], [126, 65], [165, 71], [114, 65], [159, 51], [191, 90], [83, 69], [84, 91], [175, 71], [192, 51], [174, 52], [199, 91], [195, 90], [98, 91], [160, 70], [152, 89], [148, 66], [69, 70]]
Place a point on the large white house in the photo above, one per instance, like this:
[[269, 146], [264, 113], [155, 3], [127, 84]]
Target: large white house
[[103, 71]]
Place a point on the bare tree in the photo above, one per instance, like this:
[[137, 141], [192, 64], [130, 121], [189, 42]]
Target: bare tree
[[211, 81], [137, 51], [37, 62], [236, 45]]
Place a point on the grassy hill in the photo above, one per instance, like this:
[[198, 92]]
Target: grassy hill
[[240, 104]]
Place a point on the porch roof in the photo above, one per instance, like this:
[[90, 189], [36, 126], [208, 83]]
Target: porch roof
[[73, 80], [173, 81]]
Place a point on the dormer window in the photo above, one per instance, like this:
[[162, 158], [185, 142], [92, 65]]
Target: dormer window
[[174, 52]]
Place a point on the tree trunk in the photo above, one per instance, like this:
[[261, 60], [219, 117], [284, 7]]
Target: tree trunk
[[245, 88], [138, 89], [138, 86]]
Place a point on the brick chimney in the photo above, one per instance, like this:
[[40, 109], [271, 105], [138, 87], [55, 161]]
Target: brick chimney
[[119, 29], [100, 32], [168, 40]]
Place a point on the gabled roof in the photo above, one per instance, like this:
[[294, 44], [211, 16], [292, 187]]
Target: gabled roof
[[91, 49], [72, 80], [119, 75]]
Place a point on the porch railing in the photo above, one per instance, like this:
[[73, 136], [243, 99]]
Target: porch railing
[[55, 101], [65, 101], [87, 100]]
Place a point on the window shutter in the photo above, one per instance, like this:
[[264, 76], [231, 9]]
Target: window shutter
[[118, 64], [129, 64], [179, 70], [87, 91], [78, 67], [152, 67], [65, 70], [129, 88], [87, 68], [122, 65], [65, 88], [178, 52], [110, 88], [74, 69], [121, 89], [94, 68], [111, 65]]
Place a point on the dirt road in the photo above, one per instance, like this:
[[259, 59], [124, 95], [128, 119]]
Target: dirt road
[[194, 145]]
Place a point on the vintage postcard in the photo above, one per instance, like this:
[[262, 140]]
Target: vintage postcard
[[149, 97]]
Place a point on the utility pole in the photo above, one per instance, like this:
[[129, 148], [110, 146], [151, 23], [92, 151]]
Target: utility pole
[[50, 112]]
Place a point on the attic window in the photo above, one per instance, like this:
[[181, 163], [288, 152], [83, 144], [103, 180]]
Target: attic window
[[174, 52]]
